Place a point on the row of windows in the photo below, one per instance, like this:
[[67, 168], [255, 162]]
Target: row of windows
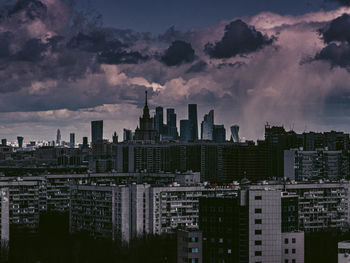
[[286, 240], [286, 251]]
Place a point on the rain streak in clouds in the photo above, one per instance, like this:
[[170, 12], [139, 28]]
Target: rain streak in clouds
[[61, 68]]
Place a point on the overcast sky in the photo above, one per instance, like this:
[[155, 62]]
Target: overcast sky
[[63, 64]]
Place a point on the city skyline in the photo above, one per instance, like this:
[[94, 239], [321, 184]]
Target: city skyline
[[100, 71]]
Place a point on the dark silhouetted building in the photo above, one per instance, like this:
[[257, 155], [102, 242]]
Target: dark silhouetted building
[[58, 137], [127, 135], [234, 133], [20, 142], [72, 140], [159, 120], [219, 133], [207, 126], [115, 137], [185, 133], [85, 142], [146, 131], [3, 142], [171, 124], [193, 121], [96, 131]]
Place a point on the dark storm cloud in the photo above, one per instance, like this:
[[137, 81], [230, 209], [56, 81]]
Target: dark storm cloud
[[197, 67], [340, 2], [45, 41], [239, 38], [109, 50], [179, 52], [337, 55], [32, 8], [121, 57], [32, 51], [337, 30]]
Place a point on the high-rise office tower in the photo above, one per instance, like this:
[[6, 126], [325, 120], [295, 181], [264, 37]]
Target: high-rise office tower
[[58, 137], [207, 126], [171, 123], [85, 142], [234, 133], [193, 122], [185, 131], [159, 120], [115, 137], [3, 142], [72, 140], [127, 135], [96, 131], [20, 142], [219, 134]]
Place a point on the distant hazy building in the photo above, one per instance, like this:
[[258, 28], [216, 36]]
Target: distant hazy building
[[207, 126], [3, 142], [219, 134], [193, 121], [58, 137], [127, 135], [72, 140], [96, 131], [20, 142], [234, 133], [185, 132]]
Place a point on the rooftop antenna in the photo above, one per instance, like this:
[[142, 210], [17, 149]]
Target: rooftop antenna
[[146, 97]]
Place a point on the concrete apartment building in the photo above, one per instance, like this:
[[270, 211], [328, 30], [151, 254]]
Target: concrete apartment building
[[189, 246], [248, 228], [321, 163], [321, 205], [103, 211], [5, 216], [142, 209], [344, 252]]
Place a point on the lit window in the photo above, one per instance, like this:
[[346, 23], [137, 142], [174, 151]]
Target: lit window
[[194, 250]]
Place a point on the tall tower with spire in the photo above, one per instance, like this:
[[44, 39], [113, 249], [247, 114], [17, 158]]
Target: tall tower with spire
[[146, 131]]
